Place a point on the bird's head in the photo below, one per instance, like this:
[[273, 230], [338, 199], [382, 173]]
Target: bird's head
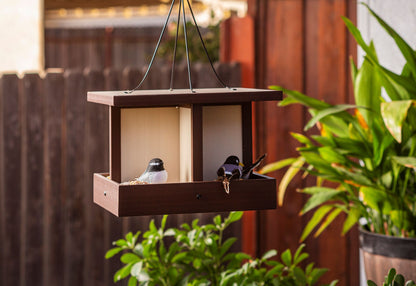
[[233, 160], [155, 165]]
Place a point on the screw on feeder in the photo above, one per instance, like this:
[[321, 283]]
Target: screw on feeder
[[198, 196]]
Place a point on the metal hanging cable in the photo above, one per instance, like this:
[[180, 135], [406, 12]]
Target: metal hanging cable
[[172, 73], [203, 45], [155, 52], [181, 5], [186, 46]]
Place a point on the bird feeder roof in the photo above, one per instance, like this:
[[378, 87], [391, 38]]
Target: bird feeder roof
[[166, 97]]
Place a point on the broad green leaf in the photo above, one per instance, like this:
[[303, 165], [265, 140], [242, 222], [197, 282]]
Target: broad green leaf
[[376, 199], [394, 114], [390, 276], [136, 269], [315, 220], [354, 70], [129, 237], [226, 245], [303, 99], [328, 220], [405, 48], [217, 220], [163, 223], [287, 257], [352, 218], [113, 252], [179, 257], [402, 219], [152, 226], [324, 195], [367, 92], [132, 281], [234, 216], [315, 160], [302, 139], [269, 254], [277, 165], [122, 273], [318, 116], [371, 283], [298, 253], [129, 258], [355, 176], [409, 162], [288, 176], [332, 155], [399, 279], [316, 274], [120, 242], [299, 276], [287, 101]]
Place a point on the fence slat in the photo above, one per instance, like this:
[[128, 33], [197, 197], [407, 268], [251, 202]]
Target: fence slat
[[33, 183], [53, 192], [75, 184], [97, 156], [113, 225], [10, 179]]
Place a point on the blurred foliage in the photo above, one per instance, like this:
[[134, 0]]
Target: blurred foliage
[[210, 35]]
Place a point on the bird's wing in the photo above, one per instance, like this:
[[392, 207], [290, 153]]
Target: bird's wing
[[248, 170]]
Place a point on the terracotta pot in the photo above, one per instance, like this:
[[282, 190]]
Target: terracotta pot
[[382, 252]]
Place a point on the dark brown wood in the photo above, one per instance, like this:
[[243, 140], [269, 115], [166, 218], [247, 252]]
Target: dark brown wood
[[97, 129], [135, 200], [75, 184], [115, 145], [151, 98], [54, 191], [32, 179], [112, 225], [51, 142], [312, 51], [197, 155], [247, 133], [10, 183]]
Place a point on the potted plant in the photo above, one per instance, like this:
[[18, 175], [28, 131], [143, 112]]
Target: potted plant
[[367, 150], [393, 279], [199, 255]]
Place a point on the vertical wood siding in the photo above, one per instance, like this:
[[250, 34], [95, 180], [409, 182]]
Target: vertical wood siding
[[302, 45]]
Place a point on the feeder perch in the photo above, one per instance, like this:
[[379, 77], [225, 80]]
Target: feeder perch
[[193, 131]]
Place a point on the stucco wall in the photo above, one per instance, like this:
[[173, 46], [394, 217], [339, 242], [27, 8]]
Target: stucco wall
[[401, 15], [21, 35]]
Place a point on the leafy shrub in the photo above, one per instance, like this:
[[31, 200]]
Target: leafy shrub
[[393, 279], [199, 255]]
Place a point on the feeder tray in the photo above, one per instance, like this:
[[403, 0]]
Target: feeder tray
[[193, 132]]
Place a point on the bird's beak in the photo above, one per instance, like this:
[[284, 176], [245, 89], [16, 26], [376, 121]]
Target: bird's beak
[[241, 164]]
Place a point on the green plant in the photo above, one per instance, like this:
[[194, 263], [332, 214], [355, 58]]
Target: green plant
[[199, 255], [367, 149], [393, 279], [211, 36]]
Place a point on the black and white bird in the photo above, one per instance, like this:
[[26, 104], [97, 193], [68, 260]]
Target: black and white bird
[[155, 173], [233, 169]]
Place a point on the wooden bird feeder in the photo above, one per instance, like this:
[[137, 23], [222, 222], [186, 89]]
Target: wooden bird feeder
[[193, 132]]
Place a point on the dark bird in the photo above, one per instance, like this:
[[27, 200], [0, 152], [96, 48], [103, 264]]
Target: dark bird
[[155, 173], [231, 169]]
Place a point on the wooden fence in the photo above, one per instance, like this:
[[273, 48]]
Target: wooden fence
[[51, 142]]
